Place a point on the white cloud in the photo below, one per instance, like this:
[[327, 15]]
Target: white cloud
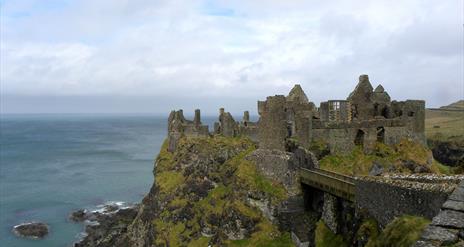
[[246, 48]]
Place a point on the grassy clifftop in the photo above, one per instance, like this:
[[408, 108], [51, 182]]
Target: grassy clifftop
[[203, 192], [406, 157]]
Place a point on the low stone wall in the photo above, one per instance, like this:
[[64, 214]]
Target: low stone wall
[[386, 198]]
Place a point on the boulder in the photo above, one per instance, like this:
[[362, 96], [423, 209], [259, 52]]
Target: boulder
[[376, 169]]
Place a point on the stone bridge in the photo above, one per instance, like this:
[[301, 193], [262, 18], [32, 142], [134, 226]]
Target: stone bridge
[[386, 197], [331, 182]]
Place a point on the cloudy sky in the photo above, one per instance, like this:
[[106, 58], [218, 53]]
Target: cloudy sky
[[153, 56]]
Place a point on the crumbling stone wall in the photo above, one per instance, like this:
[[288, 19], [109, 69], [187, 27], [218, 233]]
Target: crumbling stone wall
[[178, 126], [248, 128], [385, 198], [227, 126], [284, 118]]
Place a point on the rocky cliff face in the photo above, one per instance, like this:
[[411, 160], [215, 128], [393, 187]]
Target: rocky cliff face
[[449, 152], [207, 193]]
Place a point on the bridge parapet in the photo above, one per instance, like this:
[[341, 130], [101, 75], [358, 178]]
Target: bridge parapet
[[334, 183]]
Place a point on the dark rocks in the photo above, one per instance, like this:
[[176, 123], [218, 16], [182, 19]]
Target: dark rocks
[[448, 152], [376, 169], [105, 226], [79, 215], [33, 230], [415, 167]]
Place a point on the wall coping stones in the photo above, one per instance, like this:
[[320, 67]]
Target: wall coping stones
[[412, 185], [428, 178]]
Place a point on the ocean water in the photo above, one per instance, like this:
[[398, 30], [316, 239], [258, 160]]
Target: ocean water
[[51, 165]]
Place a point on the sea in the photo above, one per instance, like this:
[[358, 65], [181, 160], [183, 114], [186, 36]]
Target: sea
[[52, 164]]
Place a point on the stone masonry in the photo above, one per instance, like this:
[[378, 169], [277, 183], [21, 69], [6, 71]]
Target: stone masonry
[[178, 126], [447, 228], [365, 117]]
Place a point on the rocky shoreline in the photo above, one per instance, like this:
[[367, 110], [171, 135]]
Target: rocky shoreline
[[110, 219]]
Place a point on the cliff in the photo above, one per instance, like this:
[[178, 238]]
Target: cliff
[[203, 195]]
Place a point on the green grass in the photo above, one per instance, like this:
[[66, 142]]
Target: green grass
[[200, 242], [267, 235], [444, 125], [326, 238], [248, 174], [439, 168], [168, 181], [233, 179], [402, 231], [359, 163], [369, 228]]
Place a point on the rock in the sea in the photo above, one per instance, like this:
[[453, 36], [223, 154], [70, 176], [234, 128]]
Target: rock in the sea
[[31, 230], [79, 215]]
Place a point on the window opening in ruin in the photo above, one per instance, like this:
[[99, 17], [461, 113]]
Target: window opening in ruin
[[381, 134], [411, 114], [334, 105], [359, 140], [385, 112], [354, 111], [376, 109], [289, 130]]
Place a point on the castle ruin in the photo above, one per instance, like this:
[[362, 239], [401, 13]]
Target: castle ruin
[[365, 117]]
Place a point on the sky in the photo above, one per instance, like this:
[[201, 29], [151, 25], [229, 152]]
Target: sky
[[152, 56]]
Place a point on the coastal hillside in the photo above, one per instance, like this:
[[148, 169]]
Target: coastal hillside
[[446, 122], [444, 128], [205, 193]]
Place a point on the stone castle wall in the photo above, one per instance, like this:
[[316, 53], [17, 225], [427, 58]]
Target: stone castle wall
[[387, 198]]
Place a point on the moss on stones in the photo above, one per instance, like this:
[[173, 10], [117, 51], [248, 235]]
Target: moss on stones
[[326, 238], [405, 157], [203, 190], [402, 231]]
